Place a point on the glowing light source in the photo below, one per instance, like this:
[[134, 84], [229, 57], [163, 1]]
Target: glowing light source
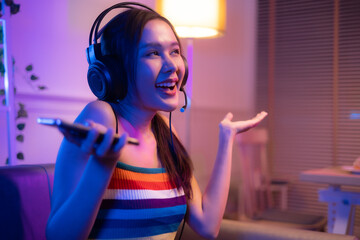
[[355, 115], [195, 18]]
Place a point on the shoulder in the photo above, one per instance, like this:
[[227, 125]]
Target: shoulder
[[97, 111]]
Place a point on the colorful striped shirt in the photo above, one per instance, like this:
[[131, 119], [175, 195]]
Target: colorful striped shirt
[[139, 203]]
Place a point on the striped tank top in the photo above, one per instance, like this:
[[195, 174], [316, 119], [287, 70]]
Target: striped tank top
[[139, 203]]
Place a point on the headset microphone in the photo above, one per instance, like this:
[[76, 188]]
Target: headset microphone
[[183, 107], [186, 75]]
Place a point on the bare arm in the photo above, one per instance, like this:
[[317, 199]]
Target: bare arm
[[82, 174], [206, 211]]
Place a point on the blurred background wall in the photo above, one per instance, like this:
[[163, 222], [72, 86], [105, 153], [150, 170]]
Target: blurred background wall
[[231, 73], [52, 37]]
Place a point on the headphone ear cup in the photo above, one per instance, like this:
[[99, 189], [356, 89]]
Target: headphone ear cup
[[186, 74], [106, 80]]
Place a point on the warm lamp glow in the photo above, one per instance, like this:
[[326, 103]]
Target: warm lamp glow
[[195, 18]]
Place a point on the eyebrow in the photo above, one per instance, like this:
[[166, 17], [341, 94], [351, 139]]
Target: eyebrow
[[156, 45]]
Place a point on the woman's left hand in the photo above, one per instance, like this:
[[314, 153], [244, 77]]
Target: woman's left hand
[[232, 128]]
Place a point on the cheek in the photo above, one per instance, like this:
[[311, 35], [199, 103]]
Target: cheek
[[142, 71], [147, 72]]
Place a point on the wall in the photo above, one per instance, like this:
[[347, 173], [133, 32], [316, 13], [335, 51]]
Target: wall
[[52, 35], [223, 81]]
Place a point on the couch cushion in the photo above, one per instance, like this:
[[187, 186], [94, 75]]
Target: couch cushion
[[231, 230], [25, 200]]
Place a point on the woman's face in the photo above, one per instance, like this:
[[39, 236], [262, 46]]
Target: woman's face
[[160, 67]]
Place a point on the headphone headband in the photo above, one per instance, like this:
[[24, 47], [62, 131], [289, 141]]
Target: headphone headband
[[95, 27], [107, 78]]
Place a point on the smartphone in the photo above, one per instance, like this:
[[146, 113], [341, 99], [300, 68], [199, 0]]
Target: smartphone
[[78, 130]]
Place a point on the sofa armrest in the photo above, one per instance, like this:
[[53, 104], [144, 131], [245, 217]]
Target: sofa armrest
[[25, 193], [238, 230]]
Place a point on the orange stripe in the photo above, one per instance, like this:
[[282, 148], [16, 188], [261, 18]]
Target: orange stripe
[[131, 184], [145, 177]]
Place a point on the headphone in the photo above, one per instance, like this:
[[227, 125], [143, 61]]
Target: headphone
[[107, 78]]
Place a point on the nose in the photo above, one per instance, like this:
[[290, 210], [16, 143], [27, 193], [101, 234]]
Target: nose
[[169, 64]]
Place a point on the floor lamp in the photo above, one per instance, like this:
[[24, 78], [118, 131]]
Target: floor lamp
[[194, 19]]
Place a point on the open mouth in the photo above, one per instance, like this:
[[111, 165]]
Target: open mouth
[[166, 85]]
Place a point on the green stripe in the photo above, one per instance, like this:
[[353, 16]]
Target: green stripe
[[139, 169]]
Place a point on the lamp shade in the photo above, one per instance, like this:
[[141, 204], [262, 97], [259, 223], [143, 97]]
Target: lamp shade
[[195, 18]]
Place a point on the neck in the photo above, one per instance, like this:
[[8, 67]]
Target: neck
[[134, 121]]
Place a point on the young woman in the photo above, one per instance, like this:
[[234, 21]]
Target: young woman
[[125, 191]]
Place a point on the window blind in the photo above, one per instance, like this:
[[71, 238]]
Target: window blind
[[308, 78]]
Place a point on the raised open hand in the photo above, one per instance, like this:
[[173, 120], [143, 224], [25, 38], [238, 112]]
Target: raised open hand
[[231, 128]]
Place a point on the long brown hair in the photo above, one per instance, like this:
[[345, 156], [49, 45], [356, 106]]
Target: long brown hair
[[121, 37], [174, 158]]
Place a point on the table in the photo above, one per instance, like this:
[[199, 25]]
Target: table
[[341, 204]]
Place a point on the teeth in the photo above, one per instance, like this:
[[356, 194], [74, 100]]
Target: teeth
[[168, 84]]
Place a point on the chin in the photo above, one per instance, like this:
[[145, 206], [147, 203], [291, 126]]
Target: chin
[[169, 108]]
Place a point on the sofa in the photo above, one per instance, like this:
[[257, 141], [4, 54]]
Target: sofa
[[25, 193]]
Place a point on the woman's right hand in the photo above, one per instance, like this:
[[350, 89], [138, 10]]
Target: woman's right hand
[[103, 150]]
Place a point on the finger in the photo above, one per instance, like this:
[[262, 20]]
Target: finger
[[121, 143], [243, 126], [106, 143], [258, 118], [229, 116], [88, 143], [262, 114]]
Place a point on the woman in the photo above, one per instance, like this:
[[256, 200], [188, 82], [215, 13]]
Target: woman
[[138, 191]]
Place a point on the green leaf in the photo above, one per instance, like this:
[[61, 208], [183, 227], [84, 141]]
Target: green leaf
[[20, 156], [20, 138], [2, 92], [42, 87], [22, 113], [14, 8], [29, 67], [4, 102], [34, 77], [2, 68], [20, 126]]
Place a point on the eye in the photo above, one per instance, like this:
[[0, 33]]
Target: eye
[[176, 51], [152, 53]]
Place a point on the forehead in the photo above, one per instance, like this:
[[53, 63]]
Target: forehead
[[157, 31]]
